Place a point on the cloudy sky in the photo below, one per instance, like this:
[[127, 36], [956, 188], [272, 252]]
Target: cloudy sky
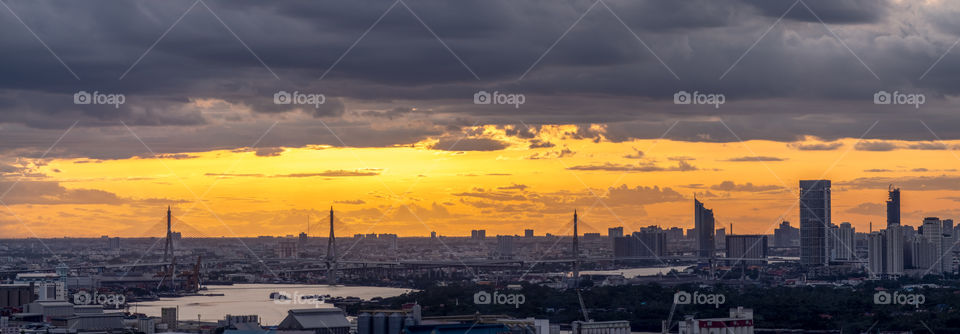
[[400, 145]]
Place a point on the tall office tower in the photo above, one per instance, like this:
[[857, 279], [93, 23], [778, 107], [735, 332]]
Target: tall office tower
[[844, 242], [949, 244], [893, 258], [703, 230], [893, 206], [875, 254], [932, 249], [814, 220], [528, 233], [615, 232]]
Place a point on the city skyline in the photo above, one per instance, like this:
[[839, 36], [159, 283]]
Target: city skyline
[[411, 120]]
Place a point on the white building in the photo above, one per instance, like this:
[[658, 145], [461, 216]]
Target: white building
[[739, 322]]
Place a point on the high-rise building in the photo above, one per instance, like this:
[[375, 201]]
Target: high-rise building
[[703, 230], [746, 249], [648, 242], [814, 222], [886, 253], [721, 237], [893, 242], [478, 234], [505, 246], [615, 232], [786, 236], [893, 207], [932, 256], [842, 245], [528, 233]]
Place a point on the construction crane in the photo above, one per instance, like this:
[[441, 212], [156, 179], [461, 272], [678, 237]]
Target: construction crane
[[193, 280]]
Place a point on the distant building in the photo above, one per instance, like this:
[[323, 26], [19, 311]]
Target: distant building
[[648, 242], [740, 321], [15, 295], [287, 248], [745, 249], [886, 253], [786, 235], [505, 247], [114, 243], [168, 315], [316, 320], [815, 208], [528, 233], [433, 234], [721, 238], [478, 234], [615, 232], [842, 242], [598, 327], [703, 229], [893, 207]]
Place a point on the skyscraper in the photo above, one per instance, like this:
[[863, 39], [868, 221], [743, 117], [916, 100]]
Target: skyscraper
[[814, 221], [704, 229], [893, 206]]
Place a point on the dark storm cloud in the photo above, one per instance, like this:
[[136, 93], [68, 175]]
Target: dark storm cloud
[[830, 11], [209, 89]]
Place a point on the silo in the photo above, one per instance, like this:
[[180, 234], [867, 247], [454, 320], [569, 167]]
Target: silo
[[395, 323], [363, 323], [379, 323]]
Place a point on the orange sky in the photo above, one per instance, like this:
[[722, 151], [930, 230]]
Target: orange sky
[[414, 190]]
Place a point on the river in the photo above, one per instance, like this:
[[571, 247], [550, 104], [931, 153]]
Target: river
[[241, 299]]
